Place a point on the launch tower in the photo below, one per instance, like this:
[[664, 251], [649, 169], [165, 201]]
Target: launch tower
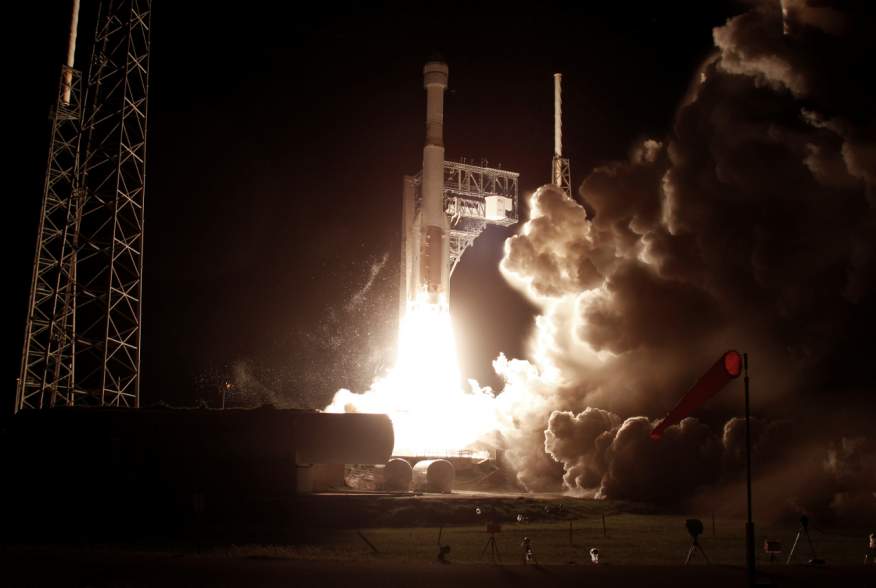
[[82, 337]]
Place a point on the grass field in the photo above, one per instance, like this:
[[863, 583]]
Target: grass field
[[393, 541], [630, 539], [406, 528]]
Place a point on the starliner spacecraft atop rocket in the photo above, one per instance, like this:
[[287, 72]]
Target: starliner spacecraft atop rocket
[[445, 207]]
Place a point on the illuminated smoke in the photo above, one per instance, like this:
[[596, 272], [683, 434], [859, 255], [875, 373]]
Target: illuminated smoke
[[604, 456], [620, 460], [750, 226]]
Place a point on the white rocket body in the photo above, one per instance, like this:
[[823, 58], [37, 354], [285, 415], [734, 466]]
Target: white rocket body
[[432, 271], [445, 208]]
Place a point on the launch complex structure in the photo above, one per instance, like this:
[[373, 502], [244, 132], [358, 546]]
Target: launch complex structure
[[82, 341], [446, 207]]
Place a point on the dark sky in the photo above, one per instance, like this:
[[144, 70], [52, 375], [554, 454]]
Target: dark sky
[[278, 138]]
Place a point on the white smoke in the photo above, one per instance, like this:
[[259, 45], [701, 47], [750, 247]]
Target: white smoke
[[750, 226]]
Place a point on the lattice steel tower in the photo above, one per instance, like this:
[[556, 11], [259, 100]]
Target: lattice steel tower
[[82, 338], [561, 175]]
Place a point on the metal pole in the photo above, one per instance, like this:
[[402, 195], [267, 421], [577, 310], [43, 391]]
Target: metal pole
[[749, 524], [71, 52]]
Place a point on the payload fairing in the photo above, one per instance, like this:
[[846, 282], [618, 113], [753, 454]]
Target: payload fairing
[[446, 207]]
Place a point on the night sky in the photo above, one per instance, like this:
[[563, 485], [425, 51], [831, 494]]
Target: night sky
[[278, 139]]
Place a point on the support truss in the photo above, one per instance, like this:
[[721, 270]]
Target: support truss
[[561, 176], [82, 343], [46, 377], [467, 189], [111, 221]]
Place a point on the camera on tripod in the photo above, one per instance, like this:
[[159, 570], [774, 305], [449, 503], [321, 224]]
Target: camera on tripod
[[695, 529]]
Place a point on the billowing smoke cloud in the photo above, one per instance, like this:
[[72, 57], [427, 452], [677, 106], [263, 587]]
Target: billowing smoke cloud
[[796, 471], [750, 226], [606, 456], [620, 459]]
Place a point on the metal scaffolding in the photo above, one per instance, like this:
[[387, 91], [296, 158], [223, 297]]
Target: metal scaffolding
[[561, 176], [46, 377], [469, 190], [82, 340]]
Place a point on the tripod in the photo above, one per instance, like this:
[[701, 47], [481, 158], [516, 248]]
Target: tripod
[[494, 549], [694, 547], [804, 529]]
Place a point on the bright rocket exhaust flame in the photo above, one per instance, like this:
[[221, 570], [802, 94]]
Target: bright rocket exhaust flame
[[431, 411]]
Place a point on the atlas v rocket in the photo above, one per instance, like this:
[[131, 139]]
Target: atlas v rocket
[[446, 207], [425, 259], [448, 204], [434, 279]]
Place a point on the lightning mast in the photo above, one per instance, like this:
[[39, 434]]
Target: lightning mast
[[561, 176], [82, 337]]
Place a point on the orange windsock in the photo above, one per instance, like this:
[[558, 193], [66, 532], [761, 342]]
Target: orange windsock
[[728, 367]]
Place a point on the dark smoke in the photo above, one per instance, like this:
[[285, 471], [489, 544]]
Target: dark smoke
[[605, 457], [750, 226]]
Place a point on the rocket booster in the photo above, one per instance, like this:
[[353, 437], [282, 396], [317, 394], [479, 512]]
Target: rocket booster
[[434, 274]]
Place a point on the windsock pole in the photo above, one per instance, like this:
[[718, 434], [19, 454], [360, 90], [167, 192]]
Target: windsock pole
[[749, 524]]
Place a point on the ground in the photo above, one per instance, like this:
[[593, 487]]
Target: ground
[[98, 568], [383, 540]]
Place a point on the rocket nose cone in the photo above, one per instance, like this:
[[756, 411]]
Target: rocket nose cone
[[435, 72]]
